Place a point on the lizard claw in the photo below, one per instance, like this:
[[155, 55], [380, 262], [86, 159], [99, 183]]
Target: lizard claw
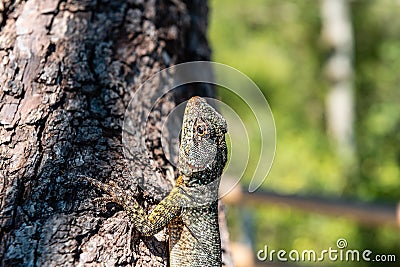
[[101, 202], [103, 199], [85, 178]]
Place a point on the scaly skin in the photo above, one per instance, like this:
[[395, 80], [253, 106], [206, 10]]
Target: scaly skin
[[191, 209]]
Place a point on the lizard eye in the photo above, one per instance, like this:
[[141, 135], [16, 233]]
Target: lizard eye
[[200, 130]]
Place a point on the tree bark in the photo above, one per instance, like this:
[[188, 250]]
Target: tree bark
[[68, 70]]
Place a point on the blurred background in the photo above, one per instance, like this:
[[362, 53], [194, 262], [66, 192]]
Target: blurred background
[[330, 72]]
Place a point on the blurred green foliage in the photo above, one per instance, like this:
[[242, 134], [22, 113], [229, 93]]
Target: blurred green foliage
[[277, 44]]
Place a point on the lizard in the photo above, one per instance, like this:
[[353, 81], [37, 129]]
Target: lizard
[[190, 210]]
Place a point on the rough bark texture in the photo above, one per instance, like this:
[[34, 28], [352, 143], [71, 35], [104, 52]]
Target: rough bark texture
[[67, 72]]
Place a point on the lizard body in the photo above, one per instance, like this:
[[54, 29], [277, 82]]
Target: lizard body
[[191, 209]]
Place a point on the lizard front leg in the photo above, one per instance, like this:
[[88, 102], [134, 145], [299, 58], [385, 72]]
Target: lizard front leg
[[146, 224]]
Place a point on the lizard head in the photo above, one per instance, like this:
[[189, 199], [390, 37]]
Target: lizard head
[[202, 152]]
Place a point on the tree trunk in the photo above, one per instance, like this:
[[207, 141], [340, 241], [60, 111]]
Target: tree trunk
[[337, 33], [68, 70]]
